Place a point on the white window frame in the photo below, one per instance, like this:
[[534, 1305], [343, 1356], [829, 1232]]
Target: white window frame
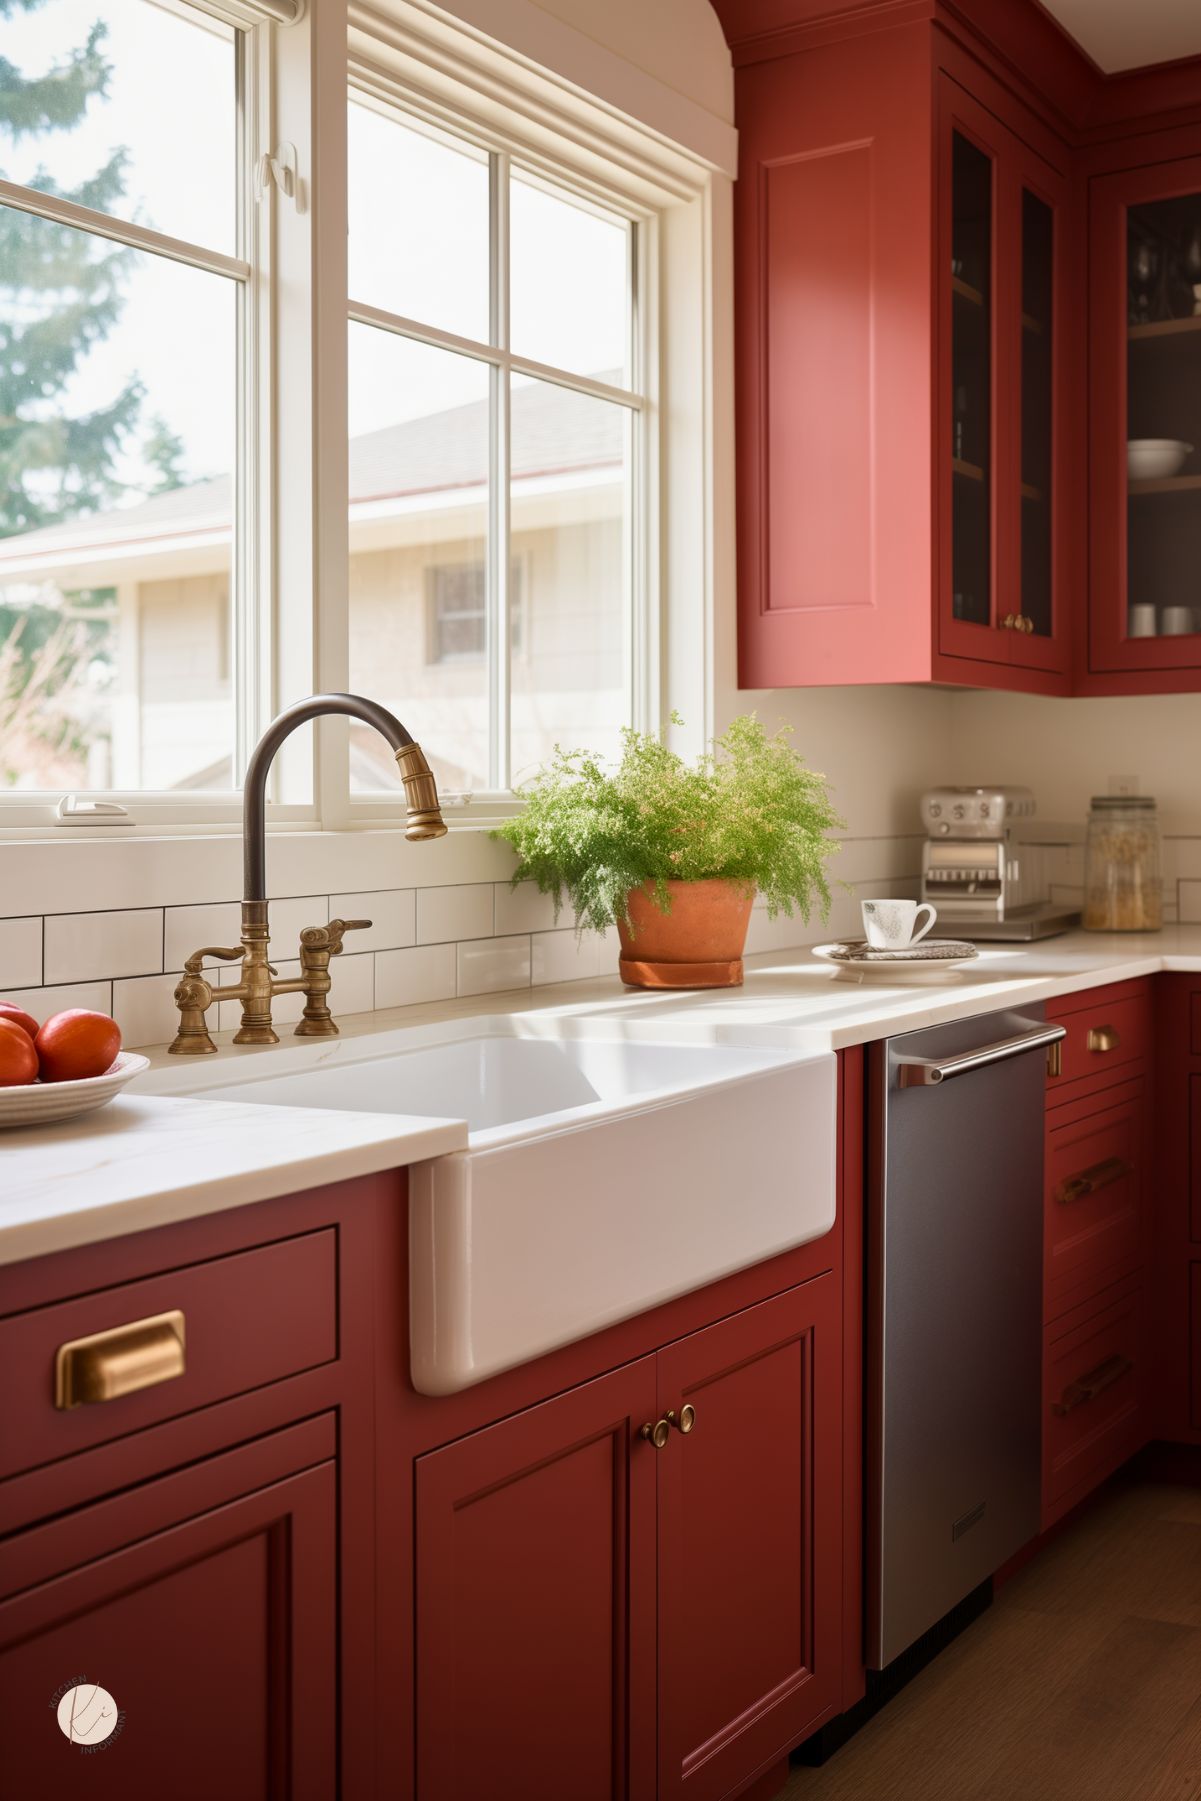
[[674, 175], [505, 150]]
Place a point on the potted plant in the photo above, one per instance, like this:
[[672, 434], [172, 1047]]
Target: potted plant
[[673, 854]]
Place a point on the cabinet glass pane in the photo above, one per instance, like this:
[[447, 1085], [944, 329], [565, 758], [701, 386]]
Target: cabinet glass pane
[[1163, 418], [1038, 235], [971, 377]]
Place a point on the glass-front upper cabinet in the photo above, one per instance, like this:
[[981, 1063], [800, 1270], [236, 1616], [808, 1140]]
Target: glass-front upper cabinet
[[1002, 560], [972, 425], [1146, 396]]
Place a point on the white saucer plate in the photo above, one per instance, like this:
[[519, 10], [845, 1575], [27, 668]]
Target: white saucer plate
[[893, 971], [43, 1103]]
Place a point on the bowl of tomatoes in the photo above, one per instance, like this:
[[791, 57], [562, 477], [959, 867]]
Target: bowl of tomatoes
[[70, 1064]]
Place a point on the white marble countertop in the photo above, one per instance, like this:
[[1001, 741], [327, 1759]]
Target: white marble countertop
[[149, 1161], [152, 1158]]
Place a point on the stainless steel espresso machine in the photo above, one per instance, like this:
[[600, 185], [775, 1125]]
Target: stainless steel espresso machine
[[974, 870]]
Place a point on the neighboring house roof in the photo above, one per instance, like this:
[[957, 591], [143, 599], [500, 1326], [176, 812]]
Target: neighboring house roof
[[554, 431]]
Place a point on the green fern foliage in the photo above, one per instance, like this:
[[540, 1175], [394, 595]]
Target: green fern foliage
[[748, 810]]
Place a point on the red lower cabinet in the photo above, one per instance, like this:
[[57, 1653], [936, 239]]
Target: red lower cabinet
[[193, 1626], [606, 1611], [535, 1562], [749, 1533]]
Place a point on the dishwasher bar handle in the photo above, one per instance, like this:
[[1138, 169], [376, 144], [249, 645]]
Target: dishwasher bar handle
[[924, 1072]]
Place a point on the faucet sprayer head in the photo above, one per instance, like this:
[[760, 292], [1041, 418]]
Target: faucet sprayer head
[[421, 794]]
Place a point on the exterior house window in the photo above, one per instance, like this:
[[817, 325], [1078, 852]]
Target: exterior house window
[[124, 347], [495, 428], [458, 613]]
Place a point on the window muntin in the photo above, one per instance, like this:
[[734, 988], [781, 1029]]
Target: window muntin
[[560, 492], [119, 377]]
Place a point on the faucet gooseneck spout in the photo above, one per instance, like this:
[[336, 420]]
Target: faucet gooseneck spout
[[259, 984], [425, 818]]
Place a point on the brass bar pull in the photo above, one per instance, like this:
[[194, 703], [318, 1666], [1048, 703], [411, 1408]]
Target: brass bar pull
[[1055, 1058], [119, 1362], [1103, 1038], [1100, 1175], [686, 1420], [657, 1434], [1095, 1383]]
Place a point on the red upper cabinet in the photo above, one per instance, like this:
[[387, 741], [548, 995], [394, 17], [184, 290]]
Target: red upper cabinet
[[904, 366], [1145, 381]]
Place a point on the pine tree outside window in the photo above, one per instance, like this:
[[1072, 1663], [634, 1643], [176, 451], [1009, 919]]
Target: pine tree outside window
[[124, 293]]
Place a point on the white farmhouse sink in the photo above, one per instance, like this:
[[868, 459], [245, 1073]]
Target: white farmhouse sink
[[602, 1175]]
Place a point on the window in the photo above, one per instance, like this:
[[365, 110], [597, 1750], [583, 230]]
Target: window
[[458, 614], [124, 325], [494, 449]]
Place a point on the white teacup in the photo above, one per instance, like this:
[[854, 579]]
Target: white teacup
[[889, 925]]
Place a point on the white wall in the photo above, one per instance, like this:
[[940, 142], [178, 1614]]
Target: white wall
[[1067, 750]]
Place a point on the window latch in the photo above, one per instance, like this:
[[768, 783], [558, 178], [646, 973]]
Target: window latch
[[79, 809], [280, 171]]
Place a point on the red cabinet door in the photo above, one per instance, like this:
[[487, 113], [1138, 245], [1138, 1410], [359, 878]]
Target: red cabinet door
[[196, 1657], [535, 1568], [1143, 380], [749, 1540]]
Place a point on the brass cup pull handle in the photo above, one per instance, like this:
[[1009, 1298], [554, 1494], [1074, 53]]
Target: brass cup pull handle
[[1088, 1387], [685, 1421], [1104, 1038], [1100, 1175], [1009, 623], [656, 1434], [119, 1362]]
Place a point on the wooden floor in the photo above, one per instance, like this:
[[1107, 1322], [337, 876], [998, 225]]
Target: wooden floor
[[1081, 1683]]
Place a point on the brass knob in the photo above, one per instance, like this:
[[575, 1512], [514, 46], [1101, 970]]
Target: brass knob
[[657, 1434], [1009, 622], [1027, 624], [685, 1422]]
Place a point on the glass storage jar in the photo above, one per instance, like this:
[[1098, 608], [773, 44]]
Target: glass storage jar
[[1123, 889]]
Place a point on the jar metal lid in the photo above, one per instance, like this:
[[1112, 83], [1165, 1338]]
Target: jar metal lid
[[1113, 803]]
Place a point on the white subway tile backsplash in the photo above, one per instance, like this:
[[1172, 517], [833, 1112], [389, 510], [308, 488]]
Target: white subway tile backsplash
[[405, 977], [444, 914], [562, 957], [144, 1008], [1188, 896], [82, 947], [20, 952], [189, 929], [97, 997], [491, 964], [1182, 857], [525, 909], [392, 912]]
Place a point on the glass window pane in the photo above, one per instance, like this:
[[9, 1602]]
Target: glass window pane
[[570, 284], [126, 106], [971, 382], [571, 543], [117, 389], [1163, 418], [1038, 239], [418, 224], [418, 524]]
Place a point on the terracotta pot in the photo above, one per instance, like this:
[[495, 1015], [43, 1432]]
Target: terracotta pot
[[698, 944]]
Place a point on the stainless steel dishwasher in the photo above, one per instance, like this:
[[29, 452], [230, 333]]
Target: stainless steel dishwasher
[[954, 1315]]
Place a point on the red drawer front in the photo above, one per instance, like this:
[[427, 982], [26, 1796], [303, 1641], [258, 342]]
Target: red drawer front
[[1113, 1029], [1095, 1188], [249, 1319], [1093, 1397]]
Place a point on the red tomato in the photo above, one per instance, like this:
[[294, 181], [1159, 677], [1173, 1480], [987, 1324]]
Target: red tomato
[[17, 1016], [76, 1044], [18, 1059]]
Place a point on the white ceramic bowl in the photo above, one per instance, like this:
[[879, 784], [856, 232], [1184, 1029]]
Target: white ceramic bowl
[[38, 1103], [1154, 459]]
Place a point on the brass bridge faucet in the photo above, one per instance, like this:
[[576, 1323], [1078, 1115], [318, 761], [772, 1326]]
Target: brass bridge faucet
[[260, 983]]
